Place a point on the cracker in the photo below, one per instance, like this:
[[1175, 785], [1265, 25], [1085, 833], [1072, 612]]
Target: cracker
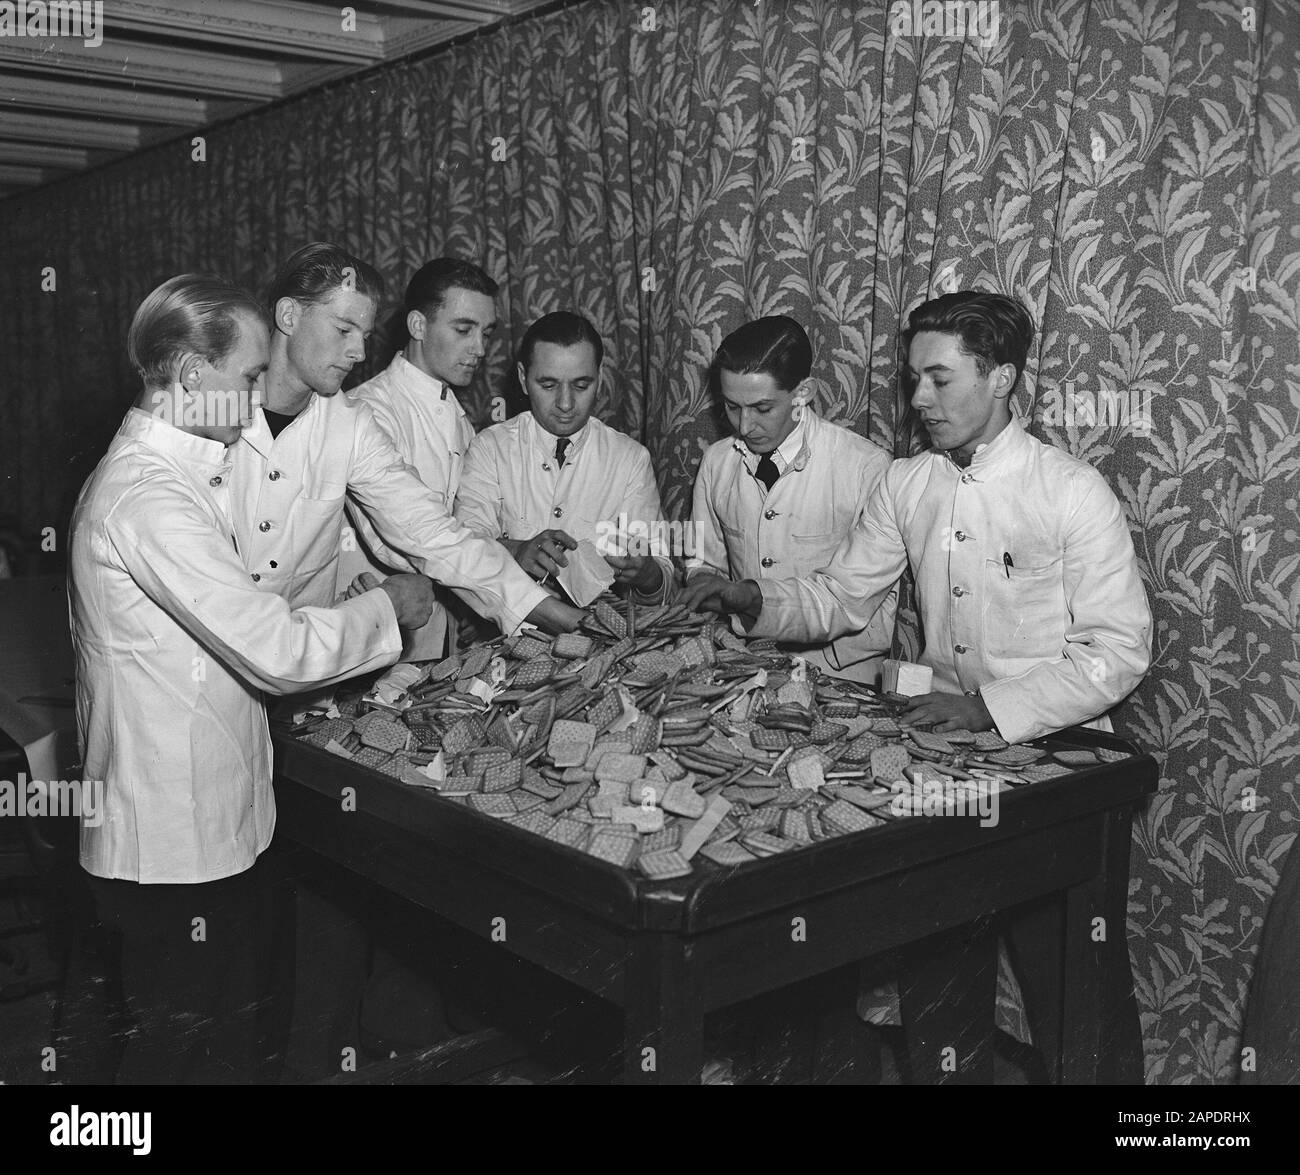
[[646, 733], [1108, 755], [727, 853], [620, 767], [846, 818], [931, 742], [683, 800], [608, 709], [827, 732], [641, 818], [497, 805], [536, 672], [668, 837], [568, 832], [570, 797], [475, 661], [794, 825], [464, 734], [570, 742], [572, 646], [618, 848], [610, 619], [663, 865], [1015, 756], [1076, 757], [769, 740], [889, 763], [989, 740], [804, 772], [504, 777], [764, 844]]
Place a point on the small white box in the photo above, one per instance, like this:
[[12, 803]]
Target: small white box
[[906, 679]]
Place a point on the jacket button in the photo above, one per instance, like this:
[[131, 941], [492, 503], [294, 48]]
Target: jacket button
[[767, 560], [215, 481], [769, 514], [959, 648], [558, 511], [256, 578], [967, 478], [960, 536], [958, 591], [264, 527], [274, 475]]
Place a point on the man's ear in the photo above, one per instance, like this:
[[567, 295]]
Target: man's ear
[[416, 324], [1004, 379], [523, 378], [286, 315], [189, 372]]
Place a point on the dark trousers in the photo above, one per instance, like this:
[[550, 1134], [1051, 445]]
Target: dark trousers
[[193, 964]]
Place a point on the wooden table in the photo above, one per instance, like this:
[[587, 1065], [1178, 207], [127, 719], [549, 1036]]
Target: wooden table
[[935, 889]]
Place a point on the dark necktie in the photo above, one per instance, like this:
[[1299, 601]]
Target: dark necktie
[[561, 447], [767, 472]]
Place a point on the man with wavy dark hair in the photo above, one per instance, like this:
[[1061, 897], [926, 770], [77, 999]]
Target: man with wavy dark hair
[[1030, 596], [451, 316], [778, 498]]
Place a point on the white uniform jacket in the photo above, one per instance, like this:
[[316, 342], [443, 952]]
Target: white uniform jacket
[[174, 642], [1028, 584]]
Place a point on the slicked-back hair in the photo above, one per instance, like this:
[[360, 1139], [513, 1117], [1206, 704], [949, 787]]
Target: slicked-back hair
[[190, 314], [427, 290], [775, 345], [993, 328], [564, 329], [314, 272]]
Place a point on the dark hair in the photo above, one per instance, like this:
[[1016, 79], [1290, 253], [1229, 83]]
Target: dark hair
[[427, 290], [775, 345], [994, 328], [190, 314], [315, 271], [564, 329]]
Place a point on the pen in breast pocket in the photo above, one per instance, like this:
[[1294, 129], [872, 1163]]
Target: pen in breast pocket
[[1007, 565]]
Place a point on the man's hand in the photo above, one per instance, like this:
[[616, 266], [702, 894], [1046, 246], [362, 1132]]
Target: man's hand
[[555, 616], [949, 712], [642, 573], [713, 593], [412, 597], [543, 554], [365, 582]]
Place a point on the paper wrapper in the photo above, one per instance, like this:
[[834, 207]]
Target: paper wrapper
[[586, 575]]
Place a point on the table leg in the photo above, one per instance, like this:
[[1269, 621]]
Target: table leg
[[1035, 938], [947, 986], [663, 1040], [1102, 1041]]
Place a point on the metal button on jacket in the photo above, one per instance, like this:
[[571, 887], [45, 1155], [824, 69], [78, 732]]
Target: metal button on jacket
[[958, 591], [767, 561], [769, 514], [558, 512], [263, 526], [274, 475], [215, 481], [959, 648]]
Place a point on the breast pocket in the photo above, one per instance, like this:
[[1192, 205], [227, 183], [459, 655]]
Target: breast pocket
[[322, 497], [1024, 611]]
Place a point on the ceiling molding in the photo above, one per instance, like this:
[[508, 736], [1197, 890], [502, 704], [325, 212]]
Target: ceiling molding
[[166, 69]]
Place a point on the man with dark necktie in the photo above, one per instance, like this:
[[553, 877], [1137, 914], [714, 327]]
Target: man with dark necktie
[[777, 498], [554, 475]]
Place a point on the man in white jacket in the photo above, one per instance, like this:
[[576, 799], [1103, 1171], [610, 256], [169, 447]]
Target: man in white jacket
[[308, 448], [1033, 607], [451, 316], [175, 645], [557, 475], [777, 499]]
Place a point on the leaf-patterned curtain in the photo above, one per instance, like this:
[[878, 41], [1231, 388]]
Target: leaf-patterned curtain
[[1127, 167]]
